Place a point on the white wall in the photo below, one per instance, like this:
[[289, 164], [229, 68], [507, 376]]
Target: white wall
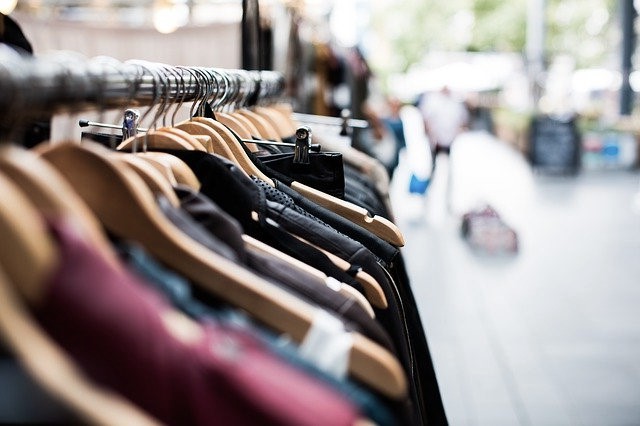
[[213, 46]]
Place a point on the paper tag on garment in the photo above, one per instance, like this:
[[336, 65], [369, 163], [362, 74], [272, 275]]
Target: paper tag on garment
[[327, 344]]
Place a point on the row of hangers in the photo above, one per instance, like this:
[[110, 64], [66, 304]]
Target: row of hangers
[[101, 188], [106, 83], [221, 136]]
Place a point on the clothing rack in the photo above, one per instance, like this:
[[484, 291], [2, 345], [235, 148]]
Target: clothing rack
[[65, 82]]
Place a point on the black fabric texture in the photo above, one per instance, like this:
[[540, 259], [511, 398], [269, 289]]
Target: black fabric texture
[[324, 171], [238, 196], [360, 188], [317, 293], [362, 196], [105, 139], [428, 392], [382, 249], [373, 195], [212, 218], [195, 231], [301, 223]]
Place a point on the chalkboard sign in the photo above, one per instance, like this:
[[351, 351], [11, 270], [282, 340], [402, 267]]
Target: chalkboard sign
[[554, 144]]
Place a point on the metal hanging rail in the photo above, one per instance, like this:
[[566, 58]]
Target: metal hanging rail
[[64, 82]]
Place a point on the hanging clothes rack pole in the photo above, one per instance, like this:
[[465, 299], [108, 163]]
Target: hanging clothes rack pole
[[31, 85], [331, 121]]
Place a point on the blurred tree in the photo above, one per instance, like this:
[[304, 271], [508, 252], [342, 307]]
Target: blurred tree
[[407, 29], [412, 27], [585, 30], [499, 25]]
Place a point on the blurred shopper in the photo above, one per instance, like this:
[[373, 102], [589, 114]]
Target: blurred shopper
[[381, 138], [418, 154], [445, 117], [394, 123]]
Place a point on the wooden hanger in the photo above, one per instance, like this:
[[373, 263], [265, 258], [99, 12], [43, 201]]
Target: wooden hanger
[[164, 169], [238, 155], [285, 110], [218, 144], [248, 124], [126, 207], [378, 225], [196, 130], [373, 290], [284, 127], [154, 180], [235, 124], [27, 253], [179, 169], [348, 291], [205, 141], [264, 127], [191, 139], [51, 194], [52, 369], [29, 256], [156, 139], [345, 290]]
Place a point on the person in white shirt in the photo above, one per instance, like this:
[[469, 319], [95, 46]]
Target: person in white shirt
[[444, 117]]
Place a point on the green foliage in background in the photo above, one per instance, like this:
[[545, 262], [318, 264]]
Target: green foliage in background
[[585, 29], [588, 30], [499, 25]]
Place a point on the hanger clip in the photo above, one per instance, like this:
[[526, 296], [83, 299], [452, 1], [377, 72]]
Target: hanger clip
[[130, 123], [303, 145]]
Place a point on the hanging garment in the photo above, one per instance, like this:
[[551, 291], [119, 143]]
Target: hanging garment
[[296, 220], [280, 273], [382, 249], [324, 171], [365, 190], [235, 194], [179, 293], [278, 219], [239, 196], [112, 325]]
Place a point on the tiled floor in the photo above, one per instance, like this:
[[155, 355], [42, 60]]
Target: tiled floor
[[550, 336]]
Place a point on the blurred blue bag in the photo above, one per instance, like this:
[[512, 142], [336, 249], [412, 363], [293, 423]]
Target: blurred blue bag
[[418, 185]]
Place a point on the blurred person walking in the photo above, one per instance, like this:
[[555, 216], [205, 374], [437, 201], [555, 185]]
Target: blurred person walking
[[445, 117]]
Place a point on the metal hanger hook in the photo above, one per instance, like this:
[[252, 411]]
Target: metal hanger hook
[[143, 68], [198, 89]]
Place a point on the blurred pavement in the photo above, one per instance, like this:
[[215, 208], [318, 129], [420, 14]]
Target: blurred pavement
[[550, 336]]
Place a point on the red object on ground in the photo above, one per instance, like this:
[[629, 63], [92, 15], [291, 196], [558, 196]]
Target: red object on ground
[[484, 230]]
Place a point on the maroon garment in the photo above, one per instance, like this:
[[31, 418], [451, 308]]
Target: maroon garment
[[110, 324]]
